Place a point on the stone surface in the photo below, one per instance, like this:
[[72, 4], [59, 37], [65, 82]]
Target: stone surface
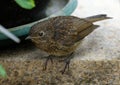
[[96, 61], [29, 72]]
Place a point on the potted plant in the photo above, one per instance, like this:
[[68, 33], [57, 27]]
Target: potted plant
[[18, 18]]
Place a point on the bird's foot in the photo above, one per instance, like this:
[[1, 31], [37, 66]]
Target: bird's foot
[[67, 62], [46, 62]]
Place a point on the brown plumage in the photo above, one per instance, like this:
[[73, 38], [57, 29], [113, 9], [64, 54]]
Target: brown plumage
[[60, 36]]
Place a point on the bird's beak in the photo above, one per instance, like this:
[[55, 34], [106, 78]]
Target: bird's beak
[[28, 38]]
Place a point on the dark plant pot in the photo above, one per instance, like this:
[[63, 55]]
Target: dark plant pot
[[19, 20]]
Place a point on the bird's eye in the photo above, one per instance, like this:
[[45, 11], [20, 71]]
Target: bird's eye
[[41, 33]]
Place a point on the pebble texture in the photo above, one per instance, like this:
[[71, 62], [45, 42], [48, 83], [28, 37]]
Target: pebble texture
[[29, 72], [96, 61]]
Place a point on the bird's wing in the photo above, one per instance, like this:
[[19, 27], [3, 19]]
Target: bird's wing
[[69, 30]]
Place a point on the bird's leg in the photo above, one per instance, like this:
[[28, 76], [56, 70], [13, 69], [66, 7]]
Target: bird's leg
[[67, 62], [46, 62]]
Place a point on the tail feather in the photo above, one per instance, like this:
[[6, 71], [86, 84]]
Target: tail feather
[[87, 31], [97, 18]]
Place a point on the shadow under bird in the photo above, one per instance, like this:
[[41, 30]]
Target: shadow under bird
[[60, 36]]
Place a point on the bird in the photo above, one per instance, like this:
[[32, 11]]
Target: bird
[[60, 36]]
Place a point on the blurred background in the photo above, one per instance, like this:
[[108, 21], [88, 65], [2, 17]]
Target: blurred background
[[92, 7]]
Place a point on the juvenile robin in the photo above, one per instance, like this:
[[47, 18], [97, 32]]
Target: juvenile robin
[[60, 36]]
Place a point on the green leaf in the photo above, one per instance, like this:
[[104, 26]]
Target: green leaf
[[2, 71], [26, 4]]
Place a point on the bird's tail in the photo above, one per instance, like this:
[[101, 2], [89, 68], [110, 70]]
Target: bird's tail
[[97, 18]]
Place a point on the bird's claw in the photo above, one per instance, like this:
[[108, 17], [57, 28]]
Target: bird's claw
[[46, 62]]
